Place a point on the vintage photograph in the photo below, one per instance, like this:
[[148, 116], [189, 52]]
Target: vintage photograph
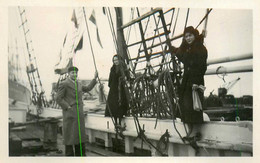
[[130, 81]]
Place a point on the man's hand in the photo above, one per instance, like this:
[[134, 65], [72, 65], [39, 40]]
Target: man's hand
[[156, 83], [69, 108]]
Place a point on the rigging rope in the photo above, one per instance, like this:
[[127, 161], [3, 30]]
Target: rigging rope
[[127, 52], [206, 16], [141, 134], [94, 60], [175, 22], [172, 17], [187, 17], [138, 14], [111, 25], [131, 18], [163, 53], [146, 95], [169, 96]]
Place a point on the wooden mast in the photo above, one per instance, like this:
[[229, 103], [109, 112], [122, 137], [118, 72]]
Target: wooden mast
[[120, 35], [121, 43]]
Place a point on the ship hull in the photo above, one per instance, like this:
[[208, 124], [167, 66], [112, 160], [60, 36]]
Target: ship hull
[[19, 102]]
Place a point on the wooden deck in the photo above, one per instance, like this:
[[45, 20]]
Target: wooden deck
[[29, 141], [217, 138]]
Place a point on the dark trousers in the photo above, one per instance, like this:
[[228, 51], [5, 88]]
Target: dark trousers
[[74, 150]]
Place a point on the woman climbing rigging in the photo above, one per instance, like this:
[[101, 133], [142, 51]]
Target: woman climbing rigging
[[193, 54]]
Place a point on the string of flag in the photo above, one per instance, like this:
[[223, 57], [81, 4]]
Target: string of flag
[[92, 18], [79, 46]]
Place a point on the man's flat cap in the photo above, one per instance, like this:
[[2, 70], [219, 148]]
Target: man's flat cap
[[73, 68]]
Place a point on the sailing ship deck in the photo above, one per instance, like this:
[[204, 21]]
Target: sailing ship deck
[[29, 141], [217, 138]]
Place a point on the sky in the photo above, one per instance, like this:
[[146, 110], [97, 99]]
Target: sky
[[229, 33]]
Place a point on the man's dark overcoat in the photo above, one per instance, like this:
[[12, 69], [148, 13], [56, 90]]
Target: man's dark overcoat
[[69, 94]]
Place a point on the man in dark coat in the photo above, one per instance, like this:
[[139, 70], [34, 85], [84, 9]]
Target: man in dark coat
[[193, 54], [69, 97]]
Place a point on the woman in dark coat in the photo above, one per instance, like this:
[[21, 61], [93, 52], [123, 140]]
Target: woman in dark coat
[[116, 100], [193, 54]]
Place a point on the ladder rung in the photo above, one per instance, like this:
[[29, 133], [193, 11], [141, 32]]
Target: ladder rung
[[176, 37], [147, 39], [152, 54], [157, 56], [22, 12], [155, 45], [26, 31], [169, 10], [142, 17], [157, 29], [153, 66], [23, 23], [161, 64]]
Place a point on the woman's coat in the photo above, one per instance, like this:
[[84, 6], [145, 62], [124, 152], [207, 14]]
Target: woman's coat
[[116, 100], [194, 58]]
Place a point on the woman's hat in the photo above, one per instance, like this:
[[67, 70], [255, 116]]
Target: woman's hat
[[190, 29]]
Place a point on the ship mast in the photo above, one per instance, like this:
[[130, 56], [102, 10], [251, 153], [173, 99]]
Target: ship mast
[[38, 96], [120, 35], [17, 65]]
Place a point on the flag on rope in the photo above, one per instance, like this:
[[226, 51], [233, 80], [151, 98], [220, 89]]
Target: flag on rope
[[65, 39], [104, 10], [80, 45], [60, 58], [74, 19], [70, 63], [92, 18], [64, 70], [98, 39]]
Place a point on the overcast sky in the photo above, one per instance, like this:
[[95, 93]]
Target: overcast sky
[[229, 33]]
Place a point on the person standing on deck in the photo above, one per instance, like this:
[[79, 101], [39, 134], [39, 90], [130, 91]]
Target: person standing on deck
[[69, 97], [193, 54], [117, 100]]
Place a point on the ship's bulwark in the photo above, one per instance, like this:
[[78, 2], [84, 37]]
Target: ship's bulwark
[[19, 102], [217, 138]]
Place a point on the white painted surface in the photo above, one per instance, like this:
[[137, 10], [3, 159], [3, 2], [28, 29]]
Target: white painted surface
[[234, 136], [17, 115]]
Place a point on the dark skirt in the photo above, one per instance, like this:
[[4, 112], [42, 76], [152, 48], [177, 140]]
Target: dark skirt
[[118, 106], [188, 114]]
